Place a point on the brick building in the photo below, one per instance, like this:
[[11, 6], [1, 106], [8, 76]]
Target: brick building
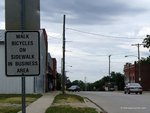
[[51, 74], [131, 72]]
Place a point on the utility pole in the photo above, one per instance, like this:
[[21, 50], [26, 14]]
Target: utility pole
[[63, 59], [85, 83], [139, 66], [109, 64]]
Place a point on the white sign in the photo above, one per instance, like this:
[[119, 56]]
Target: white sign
[[22, 53]]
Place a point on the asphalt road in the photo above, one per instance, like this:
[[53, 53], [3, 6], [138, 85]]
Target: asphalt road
[[118, 102]]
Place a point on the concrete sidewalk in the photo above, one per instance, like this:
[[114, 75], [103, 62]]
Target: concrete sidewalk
[[41, 104]]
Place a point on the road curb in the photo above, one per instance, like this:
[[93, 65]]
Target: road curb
[[104, 111]]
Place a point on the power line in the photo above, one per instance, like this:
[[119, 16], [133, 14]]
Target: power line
[[121, 54], [97, 34], [54, 37]]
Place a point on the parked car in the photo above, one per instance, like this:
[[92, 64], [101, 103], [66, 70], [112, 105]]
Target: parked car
[[133, 88], [74, 88], [109, 86]]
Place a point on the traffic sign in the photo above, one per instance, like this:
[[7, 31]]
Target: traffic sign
[[22, 53]]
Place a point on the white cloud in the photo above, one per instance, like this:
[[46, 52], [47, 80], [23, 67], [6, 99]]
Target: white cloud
[[144, 31], [2, 25]]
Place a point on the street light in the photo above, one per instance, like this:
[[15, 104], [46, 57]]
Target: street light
[[138, 46], [139, 69]]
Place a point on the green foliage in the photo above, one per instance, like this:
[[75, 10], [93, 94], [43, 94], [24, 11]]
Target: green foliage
[[146, 61], [118, 79], [80, 83], [9, 109], [60, 106], [68, 97], [146, 41], [115, 78], [12, 102], [16, 98], [69, 109]]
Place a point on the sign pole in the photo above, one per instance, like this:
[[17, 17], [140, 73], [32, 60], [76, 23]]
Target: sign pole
[[23, 79], [23, 94]]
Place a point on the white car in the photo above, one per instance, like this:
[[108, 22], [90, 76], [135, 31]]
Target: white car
[[74, 88], [133, 88]]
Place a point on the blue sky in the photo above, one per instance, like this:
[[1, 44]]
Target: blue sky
[[95, 29]]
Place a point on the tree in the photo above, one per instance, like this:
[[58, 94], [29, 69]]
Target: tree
[[146, 42], [145, 60], [80, 83], [118, 79], [99, 84], [109, 81]]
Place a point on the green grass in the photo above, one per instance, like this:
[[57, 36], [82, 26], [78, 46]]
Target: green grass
[[9, 99], [60, 107], [16, 98], [67, 98], [68, 109], [9, 109]]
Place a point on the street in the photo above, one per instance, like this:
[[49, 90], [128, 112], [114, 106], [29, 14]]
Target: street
[[118, 102]]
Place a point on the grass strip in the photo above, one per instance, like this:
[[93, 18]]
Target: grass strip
[[59, 105], [16, 98], [69, 109], [11, 103], [6, 109], [68, 98]]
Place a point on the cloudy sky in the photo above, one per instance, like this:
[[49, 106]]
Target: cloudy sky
[[95, 29]]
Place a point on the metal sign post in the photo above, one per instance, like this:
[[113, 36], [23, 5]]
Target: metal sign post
[[23, 82], [23, 79]]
